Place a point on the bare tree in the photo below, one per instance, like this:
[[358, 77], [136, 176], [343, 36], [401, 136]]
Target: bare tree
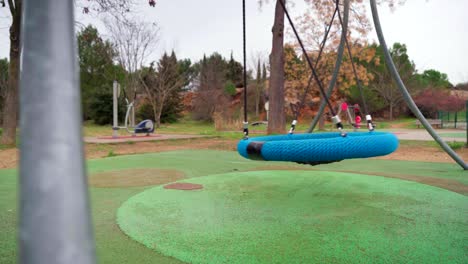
[[134, 41], [162, 83], [383, 83], [114, 8], [258, 60]]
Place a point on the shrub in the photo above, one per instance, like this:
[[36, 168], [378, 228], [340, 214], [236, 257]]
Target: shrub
[[230, 88], [101, 109], [145, 111], [430, 101]]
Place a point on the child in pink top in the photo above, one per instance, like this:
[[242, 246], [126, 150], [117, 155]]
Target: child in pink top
[[357, 116]]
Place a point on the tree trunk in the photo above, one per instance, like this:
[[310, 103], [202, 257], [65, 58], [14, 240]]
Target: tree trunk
[[391, 111], [157, 109], [277, 122], [157, 117], [10, 110], [322, 123], [257, 100]]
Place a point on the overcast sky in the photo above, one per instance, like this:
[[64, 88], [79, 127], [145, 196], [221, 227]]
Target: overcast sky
[[435, 31]]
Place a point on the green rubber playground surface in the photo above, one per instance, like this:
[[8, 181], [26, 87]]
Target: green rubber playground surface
[[280, 193], [300, 217]]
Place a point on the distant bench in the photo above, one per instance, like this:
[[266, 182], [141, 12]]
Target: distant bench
[[436, 123], [259, 123]]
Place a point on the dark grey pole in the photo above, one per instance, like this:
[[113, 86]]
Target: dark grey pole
[[404, 91], [336, 71], [115, 109], [54, 225]]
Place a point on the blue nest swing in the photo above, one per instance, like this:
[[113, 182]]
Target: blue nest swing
[[319, 147]]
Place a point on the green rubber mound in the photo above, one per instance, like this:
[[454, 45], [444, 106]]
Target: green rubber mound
[[301, 217]]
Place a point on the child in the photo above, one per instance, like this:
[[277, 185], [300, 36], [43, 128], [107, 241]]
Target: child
[[357, 117]]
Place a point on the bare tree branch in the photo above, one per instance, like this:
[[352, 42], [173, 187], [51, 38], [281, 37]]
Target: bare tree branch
[[134, 42], [160, 84], [11, 6]]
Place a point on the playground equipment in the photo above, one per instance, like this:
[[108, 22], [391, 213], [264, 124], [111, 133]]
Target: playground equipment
[[253, 144], [352, 113], [320, 148], [55, 223], [144, 127]]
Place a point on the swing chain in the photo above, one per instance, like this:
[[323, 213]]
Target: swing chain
[[337, 121], [246, 130], [293, 127], [370, 125]]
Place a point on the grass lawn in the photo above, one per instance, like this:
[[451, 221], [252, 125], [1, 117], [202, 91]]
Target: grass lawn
[[187, 126], [454, 134], [113, 246]]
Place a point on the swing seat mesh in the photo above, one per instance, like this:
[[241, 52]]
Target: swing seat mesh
[[318, 147]]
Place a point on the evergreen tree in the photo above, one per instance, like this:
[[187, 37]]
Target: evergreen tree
[[211, 89], [187, 70], [218, 79], [264, 73], [203, 72], [433, 79], [258, 88], [173, 106], [234, 72], [97, 72], [163, 85]]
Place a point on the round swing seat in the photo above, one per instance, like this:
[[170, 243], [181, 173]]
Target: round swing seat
[[318, 148]]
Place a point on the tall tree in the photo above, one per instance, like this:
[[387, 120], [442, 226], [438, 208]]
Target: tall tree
[[264, 72], [277, 121], [296, 74], [258, 88], [163, 84], [210, 95], [234, 71], [383, 83], [3, 82], [10, 108], [173, 106], [97, 69], [134, 41], [434, 79], [264, 81], [187, 70]]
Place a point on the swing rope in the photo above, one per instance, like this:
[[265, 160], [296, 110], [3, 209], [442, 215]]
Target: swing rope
[[246, 123], [370, 125], [309, 83], [335, 118]]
